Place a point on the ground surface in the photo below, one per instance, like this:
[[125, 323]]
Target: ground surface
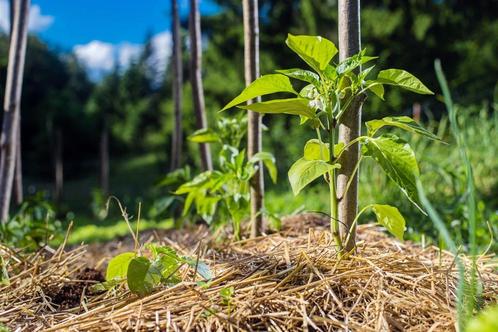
[[285, 281]]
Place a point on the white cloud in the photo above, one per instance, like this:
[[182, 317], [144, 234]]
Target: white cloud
[[127, 52], [37, 21], [96, 55], [162, 44], [100, 57]]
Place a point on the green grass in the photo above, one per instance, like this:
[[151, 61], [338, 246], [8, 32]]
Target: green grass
[[103, 232]]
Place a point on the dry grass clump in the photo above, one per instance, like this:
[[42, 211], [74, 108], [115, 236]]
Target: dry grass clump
[[282, 282]]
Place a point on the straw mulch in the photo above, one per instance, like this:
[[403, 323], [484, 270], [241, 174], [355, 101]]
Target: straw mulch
[[287, 281]]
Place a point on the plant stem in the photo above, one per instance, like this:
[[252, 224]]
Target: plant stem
[[334, 222]]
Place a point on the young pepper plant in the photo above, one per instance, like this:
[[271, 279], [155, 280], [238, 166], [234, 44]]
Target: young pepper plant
[[143, 273], [223, 193], [329, 90]]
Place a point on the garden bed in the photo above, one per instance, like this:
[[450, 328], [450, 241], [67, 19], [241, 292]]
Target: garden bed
[[284, 281]]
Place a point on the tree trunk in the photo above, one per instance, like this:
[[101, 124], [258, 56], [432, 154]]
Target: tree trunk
[[104, 156], [177, 141], [15, 71], [196, 79], [18, 190], [58, 167], [349, 128], [254, 140]]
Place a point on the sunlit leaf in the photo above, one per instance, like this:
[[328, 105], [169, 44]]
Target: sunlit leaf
[[376, 88], [403, 79], [316, 51], [269, 161], [316, 150], [485, 321], [118, 266], [403, 122], [301, 74], [353, 62], [204, 135], [389, 217], [397, 159], [303, 172], [294, 106], [198, 181], [264, 85]]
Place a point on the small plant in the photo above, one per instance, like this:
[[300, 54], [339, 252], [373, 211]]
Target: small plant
[[328, 92], [142, 274], [4, 274], [168, 204], [226, 294], [224, 192], [33, 226]]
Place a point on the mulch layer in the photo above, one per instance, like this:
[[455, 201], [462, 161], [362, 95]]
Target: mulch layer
[[287, 281]]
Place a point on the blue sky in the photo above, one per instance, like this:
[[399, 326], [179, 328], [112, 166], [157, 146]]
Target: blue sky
[[105, 32], [113, 21]]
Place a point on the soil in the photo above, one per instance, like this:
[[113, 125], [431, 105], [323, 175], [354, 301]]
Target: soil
[[69, 294]]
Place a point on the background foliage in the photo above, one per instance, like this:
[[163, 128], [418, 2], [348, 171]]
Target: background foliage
[[58, 95]]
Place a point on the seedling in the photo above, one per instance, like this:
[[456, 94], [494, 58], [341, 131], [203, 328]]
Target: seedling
[[142, 274], [226, 294], [224, 192], [322, 103]]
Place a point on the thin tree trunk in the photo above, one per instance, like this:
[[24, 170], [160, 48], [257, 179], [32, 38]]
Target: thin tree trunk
[[196, 79], [177, 141], [18, 190], [104, 156], [349, 128], [15, 71], [254, 139], [58, 167]]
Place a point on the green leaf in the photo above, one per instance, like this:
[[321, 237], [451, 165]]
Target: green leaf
[[312, 150], [196, 183], [104, 286], [376, 88], [389, 217], [309, 91], [316, 150], [404, 80], [316, 51], [204, 135], [138, 277], [264, 85], [118, 266], [269, 160], [403, 122], [301, 74], [226, 293], [353, 62], [397, 159], [303, 172], [165, 264], [485, 321], [206, 206], [294, 106]]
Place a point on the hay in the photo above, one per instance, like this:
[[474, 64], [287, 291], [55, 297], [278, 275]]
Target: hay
[[282, 282]]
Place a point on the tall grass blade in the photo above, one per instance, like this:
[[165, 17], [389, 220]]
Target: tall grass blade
[[468, 294]]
